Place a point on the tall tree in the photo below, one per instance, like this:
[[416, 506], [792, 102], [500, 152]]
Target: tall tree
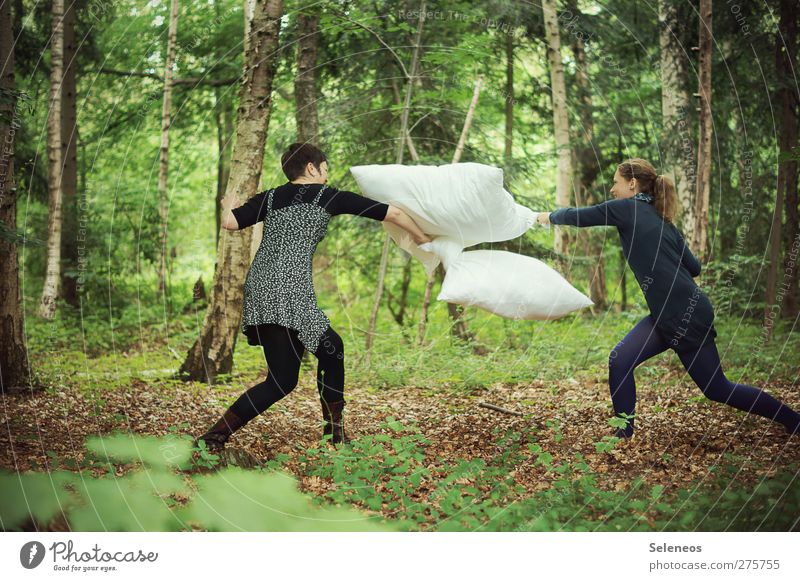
[[676, 108], [212, 352], [224, 118], [305, 82], [700, 233], [53, 272], [69, 178], [163, 162], [560, 118], [588, 168], [14, 371], [786, 194], [788, 101]]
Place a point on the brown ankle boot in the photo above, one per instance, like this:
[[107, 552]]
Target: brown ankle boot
[[334, 426], [218, 435]]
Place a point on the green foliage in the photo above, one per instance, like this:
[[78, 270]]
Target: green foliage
[[132, 483]]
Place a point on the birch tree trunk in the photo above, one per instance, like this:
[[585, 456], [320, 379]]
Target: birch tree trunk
[[703, 196], [676, 112], [69, 177], [47, 308], [163, 165], [212, 353], [560, 119], [223, 114], [224, 118], [256, 232], [14, 371], [305, 83]]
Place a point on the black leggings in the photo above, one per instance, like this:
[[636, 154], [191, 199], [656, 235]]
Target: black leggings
[[283, 352], [703, 365]]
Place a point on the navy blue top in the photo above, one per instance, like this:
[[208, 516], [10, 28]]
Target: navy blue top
[[662, 263]]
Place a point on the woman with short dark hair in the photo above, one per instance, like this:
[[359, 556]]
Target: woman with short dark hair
[[681, 316], [280, 310]]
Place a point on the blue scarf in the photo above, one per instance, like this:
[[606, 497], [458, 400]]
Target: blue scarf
[[644, 197]]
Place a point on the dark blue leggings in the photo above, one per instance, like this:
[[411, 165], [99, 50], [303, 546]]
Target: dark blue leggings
[[703, 365], [283, 352]]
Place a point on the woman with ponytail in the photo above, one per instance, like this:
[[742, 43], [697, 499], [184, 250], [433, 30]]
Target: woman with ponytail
[[681, 316]]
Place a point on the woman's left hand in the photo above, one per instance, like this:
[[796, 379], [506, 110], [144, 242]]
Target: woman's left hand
[[543, 218]]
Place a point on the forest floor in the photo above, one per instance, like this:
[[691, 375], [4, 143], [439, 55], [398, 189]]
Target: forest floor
[[681, 438]]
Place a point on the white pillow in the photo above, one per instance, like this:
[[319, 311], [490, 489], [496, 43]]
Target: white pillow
[[465, 202], [508, 284]]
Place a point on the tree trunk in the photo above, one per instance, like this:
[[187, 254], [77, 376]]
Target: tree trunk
[[14, 371], [509, 96], [785, 52], [788, 100], [305, 83], [588, 170], [257, 230], [376, 303], [212, 353], [224, 118], [560, 119], [676, 112], [163, 165], [69, 178], [53, 273], [700, 234]]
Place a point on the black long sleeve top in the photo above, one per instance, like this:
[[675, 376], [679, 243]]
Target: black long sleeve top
[[333, 200], [662, 263]]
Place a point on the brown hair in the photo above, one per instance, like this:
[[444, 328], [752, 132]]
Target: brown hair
[[659, 186], [298, 156]]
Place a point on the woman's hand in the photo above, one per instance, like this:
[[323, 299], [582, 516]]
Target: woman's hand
[[396, 216], [543, 218], [231, 201], [228, 220], [424, 240]]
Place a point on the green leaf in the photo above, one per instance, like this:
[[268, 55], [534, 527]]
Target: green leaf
[[36, 495]]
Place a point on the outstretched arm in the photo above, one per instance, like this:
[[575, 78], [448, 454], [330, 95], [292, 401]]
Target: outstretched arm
[[611, 213], [344, 202], [397, 216]]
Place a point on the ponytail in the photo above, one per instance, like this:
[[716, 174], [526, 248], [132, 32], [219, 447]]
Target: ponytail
[[665, 199]]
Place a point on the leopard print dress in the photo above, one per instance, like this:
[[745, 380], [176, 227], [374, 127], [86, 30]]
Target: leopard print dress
[[279, 287]]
